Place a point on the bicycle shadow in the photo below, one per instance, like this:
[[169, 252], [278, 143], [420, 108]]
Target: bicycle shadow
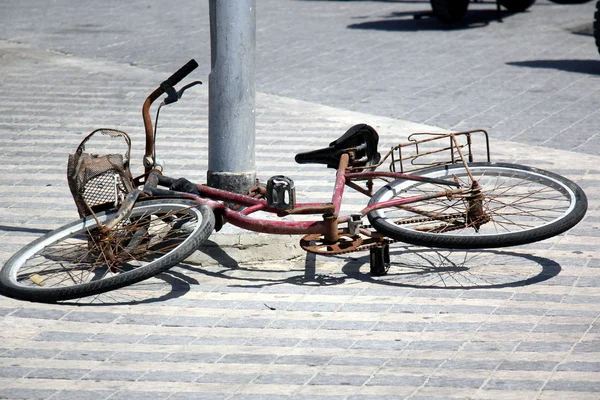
[[413, 267], [165, 286]]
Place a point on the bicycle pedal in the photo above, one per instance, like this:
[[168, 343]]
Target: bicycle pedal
[[281, 193]]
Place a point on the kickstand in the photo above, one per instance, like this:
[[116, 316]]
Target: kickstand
[[380, 259]]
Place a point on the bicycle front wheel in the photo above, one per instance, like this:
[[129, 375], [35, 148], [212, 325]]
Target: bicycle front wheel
[[520, 205], [79, 260]]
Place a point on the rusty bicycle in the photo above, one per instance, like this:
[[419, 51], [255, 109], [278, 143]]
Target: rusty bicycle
[[431, 193]]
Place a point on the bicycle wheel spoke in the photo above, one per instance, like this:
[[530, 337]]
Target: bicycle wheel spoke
[[88, 255], [504, 201]]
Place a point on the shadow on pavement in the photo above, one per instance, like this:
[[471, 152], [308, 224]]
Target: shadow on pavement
[[7, 228], [165, 286], [404, 21], [411, 266], [446, 269], [590, 67]]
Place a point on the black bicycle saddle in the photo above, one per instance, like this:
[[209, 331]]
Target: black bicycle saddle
[[361, 138]]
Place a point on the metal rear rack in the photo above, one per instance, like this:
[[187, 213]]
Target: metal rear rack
[[427, 149]]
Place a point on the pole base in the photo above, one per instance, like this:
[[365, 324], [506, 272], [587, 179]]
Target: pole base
[[238, 182]]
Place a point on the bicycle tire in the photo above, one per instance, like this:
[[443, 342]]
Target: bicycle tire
[[73, 260], [525, 205]]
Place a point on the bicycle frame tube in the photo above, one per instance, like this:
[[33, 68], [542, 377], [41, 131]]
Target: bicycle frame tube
[[149, 153]]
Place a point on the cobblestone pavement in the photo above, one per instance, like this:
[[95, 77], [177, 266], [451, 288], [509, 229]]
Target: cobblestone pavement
[[515, 323]]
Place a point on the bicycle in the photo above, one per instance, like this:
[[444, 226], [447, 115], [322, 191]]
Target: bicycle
[[134, 228]]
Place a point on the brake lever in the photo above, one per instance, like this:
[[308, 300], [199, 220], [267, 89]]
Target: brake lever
[[172, 95], [186, 87]]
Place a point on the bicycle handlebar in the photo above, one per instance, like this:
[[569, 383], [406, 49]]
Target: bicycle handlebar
[[164, 87], [182, 73]]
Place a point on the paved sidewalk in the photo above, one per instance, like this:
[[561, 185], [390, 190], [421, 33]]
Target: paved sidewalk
[[518, 323]]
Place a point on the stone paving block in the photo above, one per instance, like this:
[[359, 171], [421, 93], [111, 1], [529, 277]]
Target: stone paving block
[[131, 395], [283, 379], [98, 317], [113, 338], [272, 342], [40, 313], [244, 323], [380, 344], [113, 375], [29, 353], [90, 355], [507, 327], [220, 341], [241, 396], [247, 359], [55, 336], [561, 328], [359, 361], [520, 311], [528, 365], [193, 357], [471, 364], [15, 372], [349, 325], [141, 319], [82, 394], [544, 347], [199, 396], [295, 324], [415, 362], [303, 360], [349, 380], [4, 311], [573, 386], [169, 376], [505, 384], [226, 378], [441, 345], [401, 326], [191, 321], [580, 366], [168, 339], [138, 356], [58, 373], [415, 308], [21, 393], [397, 380], [455, 382], [326, 343], [587, 347]]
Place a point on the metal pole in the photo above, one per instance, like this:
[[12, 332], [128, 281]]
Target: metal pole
[[231, 126]]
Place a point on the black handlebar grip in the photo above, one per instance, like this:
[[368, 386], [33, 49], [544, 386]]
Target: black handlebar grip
[[182, 73]]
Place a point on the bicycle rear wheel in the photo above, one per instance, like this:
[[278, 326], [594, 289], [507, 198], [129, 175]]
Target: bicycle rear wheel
[[77, 260], [521, 205]]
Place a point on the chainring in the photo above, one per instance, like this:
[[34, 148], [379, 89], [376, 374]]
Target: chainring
[[315, 243]]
